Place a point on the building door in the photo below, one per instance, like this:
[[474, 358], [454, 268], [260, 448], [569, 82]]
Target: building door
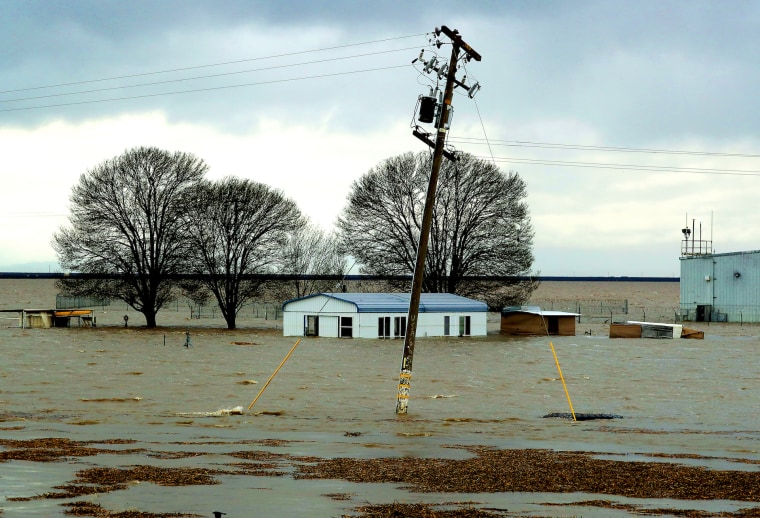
[[384, 327], [346, 327], [464, 326], [399, 327], [446, 325], [552, 324], [311, 325], [703, 312]]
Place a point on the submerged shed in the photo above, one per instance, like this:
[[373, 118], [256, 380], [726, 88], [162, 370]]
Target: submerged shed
[[47, 318], [532, 321], [634, 329]]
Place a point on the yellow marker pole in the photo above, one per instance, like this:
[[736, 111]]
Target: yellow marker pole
[[563, 381], [274, 373]]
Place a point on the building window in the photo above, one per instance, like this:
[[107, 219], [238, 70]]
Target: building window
[[311, 325], [399, 327], [346, 327], [464, 326], [384, 327], [446, 325]]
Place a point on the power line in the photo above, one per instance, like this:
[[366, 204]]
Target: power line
[[208, 89], [224, 63], [580, 147], [223, 74], [628, 167], [32, 214], [461, 140], [482, 125]]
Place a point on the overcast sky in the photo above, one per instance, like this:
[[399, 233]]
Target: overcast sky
[[307, 96]]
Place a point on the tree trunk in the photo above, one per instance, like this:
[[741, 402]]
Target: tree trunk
[[150, 318], [230, 317]]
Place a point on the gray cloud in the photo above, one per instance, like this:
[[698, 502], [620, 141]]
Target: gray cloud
[[642, 71], [633, 74]]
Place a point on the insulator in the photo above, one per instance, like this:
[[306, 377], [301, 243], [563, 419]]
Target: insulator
[[430, 65], [427, 109]]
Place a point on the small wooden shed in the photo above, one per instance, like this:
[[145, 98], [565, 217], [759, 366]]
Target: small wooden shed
[[532, 321]]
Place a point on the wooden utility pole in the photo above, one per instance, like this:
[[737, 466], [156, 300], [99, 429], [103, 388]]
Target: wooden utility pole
[[405, 378]]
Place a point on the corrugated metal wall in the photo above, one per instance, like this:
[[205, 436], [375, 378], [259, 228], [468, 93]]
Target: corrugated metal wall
[[729, 283]]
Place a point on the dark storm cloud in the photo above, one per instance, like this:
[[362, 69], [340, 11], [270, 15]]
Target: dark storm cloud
[[636, 72], [52, 43]]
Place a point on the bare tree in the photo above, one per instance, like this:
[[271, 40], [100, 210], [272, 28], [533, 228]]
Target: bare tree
[[237, 228], [311, 251], [126, 222], [481, 225]]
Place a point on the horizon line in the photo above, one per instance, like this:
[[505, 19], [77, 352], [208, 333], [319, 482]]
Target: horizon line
[[555, 278]]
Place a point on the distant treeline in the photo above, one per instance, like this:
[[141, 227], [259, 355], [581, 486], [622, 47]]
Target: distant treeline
[[290, 277]]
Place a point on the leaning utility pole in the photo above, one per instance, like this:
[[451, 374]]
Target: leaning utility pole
[[442, 126]]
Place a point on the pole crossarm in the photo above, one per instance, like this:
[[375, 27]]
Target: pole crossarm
[[454, 37], [425, 137]]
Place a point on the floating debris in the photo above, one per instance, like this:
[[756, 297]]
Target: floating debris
[[270, 412], [238, 410], [110, 399], [489, 470], [422, 511], [493, 470]]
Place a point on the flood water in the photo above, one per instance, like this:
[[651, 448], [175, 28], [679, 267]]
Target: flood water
[[336, 398]]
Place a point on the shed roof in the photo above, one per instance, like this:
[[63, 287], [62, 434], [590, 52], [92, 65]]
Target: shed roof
[[536, 310], [399, 302]]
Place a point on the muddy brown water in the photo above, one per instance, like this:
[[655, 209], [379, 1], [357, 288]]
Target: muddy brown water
[[336, 398]]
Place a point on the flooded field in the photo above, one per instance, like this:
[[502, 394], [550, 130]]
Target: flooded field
[[116, 419]]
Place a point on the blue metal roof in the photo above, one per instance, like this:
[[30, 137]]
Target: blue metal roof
[[399, 302]]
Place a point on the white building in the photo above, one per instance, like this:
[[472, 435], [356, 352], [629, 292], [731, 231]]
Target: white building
[[382, 315]]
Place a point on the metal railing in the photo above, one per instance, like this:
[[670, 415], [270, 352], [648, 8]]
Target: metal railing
[[210, 310], [601, 311], [742, 314], [65, 302]]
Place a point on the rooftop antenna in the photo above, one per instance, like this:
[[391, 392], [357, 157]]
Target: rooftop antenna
[[693, 245]]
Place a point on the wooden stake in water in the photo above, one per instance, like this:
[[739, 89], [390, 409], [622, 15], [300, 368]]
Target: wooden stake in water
[[274, 373], [561, 377]]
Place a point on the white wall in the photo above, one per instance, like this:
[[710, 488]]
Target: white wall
[[365, 325]]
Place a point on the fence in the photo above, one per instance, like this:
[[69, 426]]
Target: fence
[[64, 302], [265, 310], [594, 310], [590, 310], [725, 313]]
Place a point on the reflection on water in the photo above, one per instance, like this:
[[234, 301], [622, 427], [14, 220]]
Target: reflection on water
[[337, 398]]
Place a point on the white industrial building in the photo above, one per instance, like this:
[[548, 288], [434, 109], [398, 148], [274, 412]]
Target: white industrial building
[[382, 315], [720, 287]]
